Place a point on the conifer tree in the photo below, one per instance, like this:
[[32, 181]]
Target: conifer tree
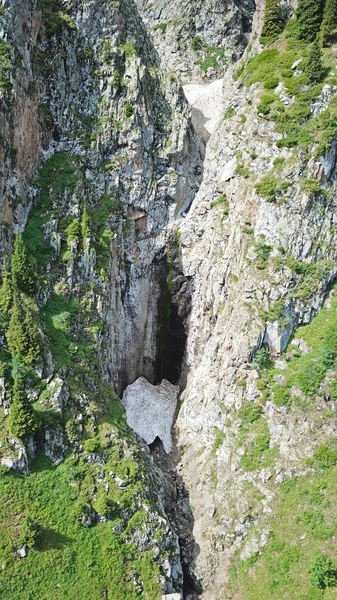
[[21, 335], [272, 24], [309, 17], [22, 273], [6, 292], [314, 66], [22, 419], [329, 23]]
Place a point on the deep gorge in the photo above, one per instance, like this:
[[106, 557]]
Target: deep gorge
[[167, 212]]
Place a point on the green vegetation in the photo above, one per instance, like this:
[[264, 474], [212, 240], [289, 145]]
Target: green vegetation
[[6, 66], [270, 188], [230, 112], [307, 372], [314, 66], [129, 110], [242, 170], [329, 23], [50, 510], [197, 43], [28, 532], [214, 56], [307, 276], [309, 16], [222, 202], [21, 270], [261, 358], [262, 251], [6, 292], [55, 17], [300, 128], [299, 560], [129, 49], [22, 336], [60, 314], [22, 418], [250, 412], [272, 23], [323, 572], [58, 175], [18, 311], [218, 440], [255, 438]]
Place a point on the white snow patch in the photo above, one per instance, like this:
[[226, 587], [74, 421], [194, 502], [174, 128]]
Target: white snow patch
[[150, 410]]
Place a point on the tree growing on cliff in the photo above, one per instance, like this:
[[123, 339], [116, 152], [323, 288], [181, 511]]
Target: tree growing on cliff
[[22, 273], [309, 17], [22, 419], [329, 23], [314, 66], [6, 292], [272, 23], [21, 335]]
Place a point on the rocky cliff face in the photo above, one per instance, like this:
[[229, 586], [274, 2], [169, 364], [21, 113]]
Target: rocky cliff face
[[196, 39], [99, 155], [166, 242]]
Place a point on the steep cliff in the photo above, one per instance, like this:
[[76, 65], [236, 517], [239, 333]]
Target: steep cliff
[[98, 155]]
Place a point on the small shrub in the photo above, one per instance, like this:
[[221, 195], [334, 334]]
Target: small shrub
[[29, 530], [326, 456], [250, 413], [271, 83], [261, 358], [322, 572], [91, 445], [197, 43], [265, 103], [262, 251], [221, 201], [229, 113], [281, 396], [243, 171], [129, 110], [278, 162], [129, 49]]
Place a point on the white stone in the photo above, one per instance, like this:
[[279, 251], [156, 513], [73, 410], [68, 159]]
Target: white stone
[[150, 410], [22, 552], [296, 63]]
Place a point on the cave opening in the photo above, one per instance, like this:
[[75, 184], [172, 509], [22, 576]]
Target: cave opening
[[171, 335]]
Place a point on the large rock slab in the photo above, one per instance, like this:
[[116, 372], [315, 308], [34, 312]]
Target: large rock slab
[[150, 410]]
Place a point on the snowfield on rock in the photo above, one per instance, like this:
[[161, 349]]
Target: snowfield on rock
[[207, 106], [150, 410]]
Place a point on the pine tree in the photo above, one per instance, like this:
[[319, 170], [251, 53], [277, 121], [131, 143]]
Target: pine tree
[[6, 292], [272, 24], [15, 334], [309, 17], [22, 419], [329, 23], [21, 335], [22, 273], [314, 66]]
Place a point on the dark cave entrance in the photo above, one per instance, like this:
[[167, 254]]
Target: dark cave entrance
[[171, 335]]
